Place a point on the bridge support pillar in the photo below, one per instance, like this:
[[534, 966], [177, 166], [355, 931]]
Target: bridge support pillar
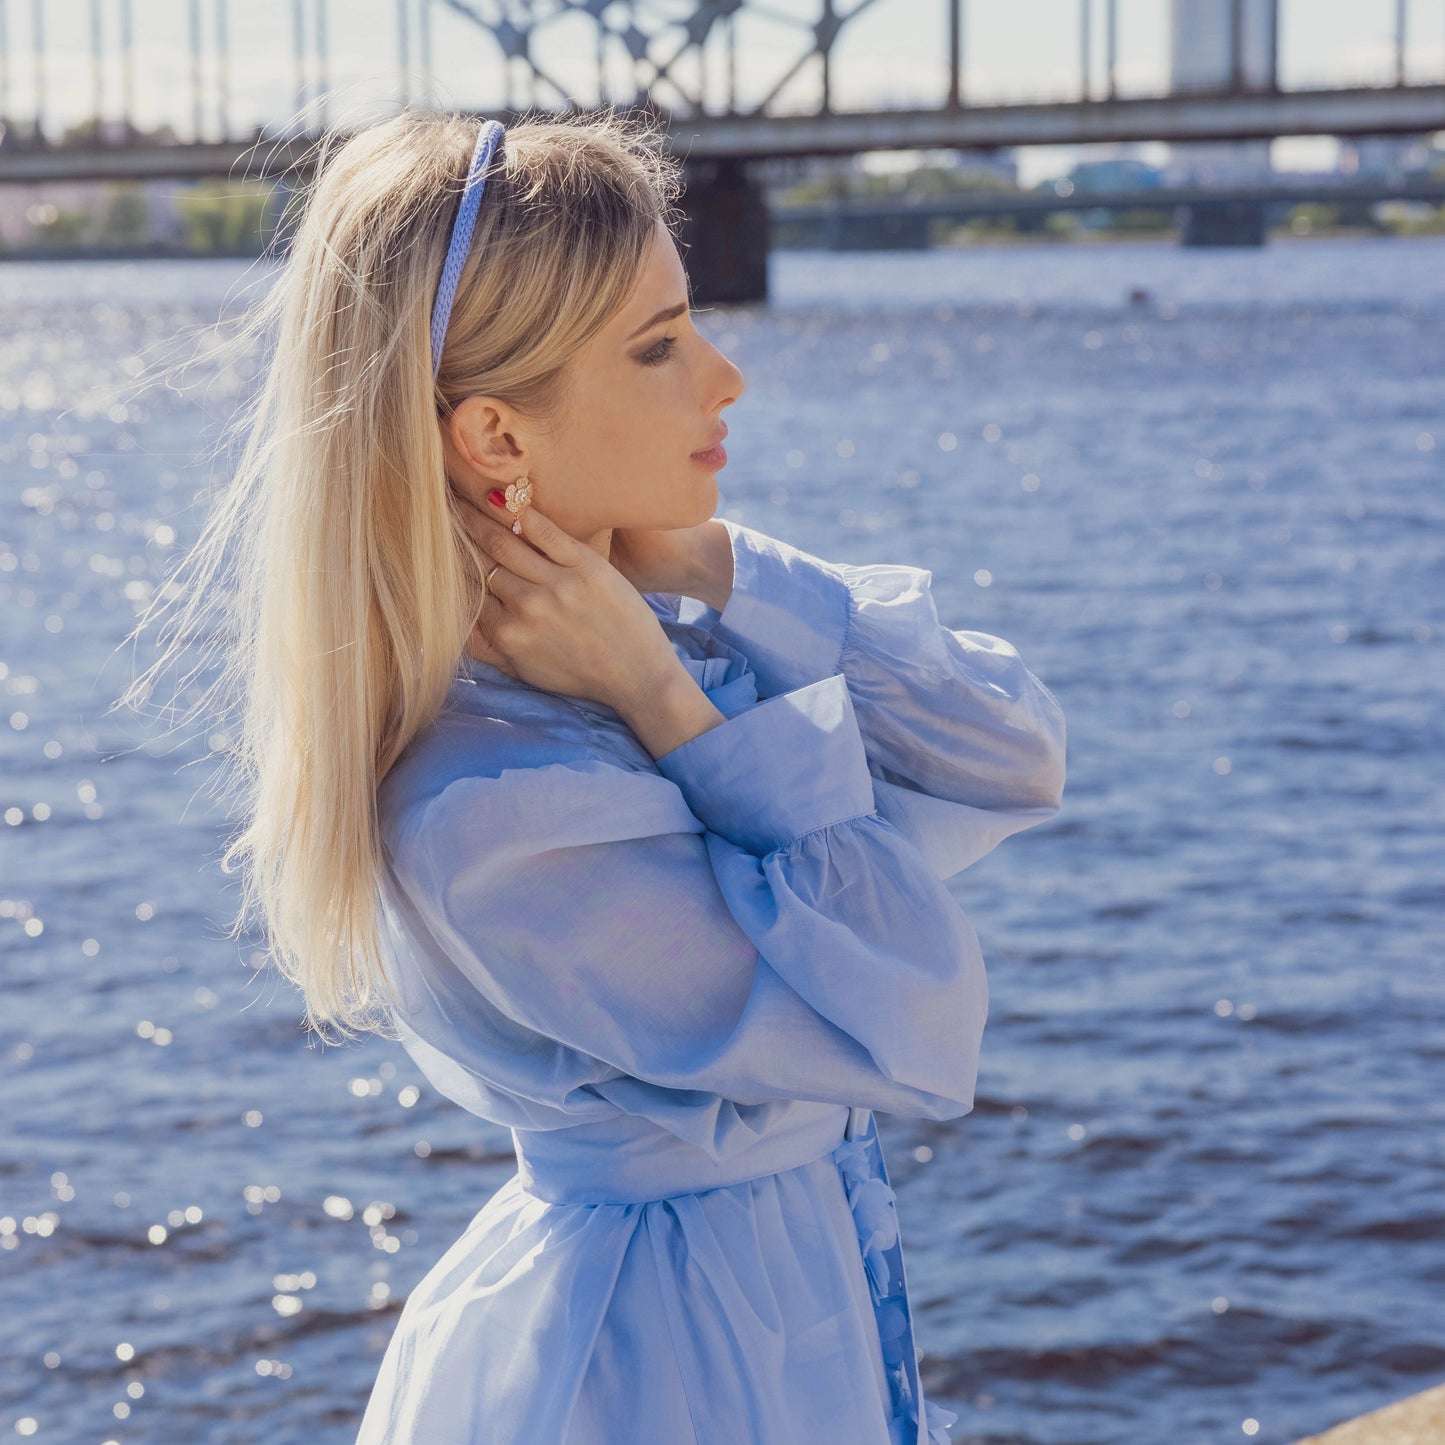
[[1224, 223], [725, 233]]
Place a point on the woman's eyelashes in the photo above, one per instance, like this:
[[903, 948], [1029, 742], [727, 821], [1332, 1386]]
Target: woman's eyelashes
[[655, 355]]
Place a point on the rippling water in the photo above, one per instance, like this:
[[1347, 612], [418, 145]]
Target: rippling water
[[1200, 1198]]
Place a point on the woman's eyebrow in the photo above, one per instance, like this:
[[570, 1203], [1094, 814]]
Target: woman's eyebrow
[[666, 314]]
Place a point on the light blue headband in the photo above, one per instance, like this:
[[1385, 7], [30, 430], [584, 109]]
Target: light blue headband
[[461, 242]]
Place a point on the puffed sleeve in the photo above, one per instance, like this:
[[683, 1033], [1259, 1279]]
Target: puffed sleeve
[[966, 745], [741, 921]]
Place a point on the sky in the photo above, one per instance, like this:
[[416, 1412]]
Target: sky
[[893, 54]]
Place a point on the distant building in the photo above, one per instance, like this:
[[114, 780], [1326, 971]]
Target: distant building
[[903, 170], [1117, 173], [983, 165], [1205, 54], [1385, 156], [997, 165]]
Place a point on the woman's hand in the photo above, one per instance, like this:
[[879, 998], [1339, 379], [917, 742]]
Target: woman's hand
[[559, 616]]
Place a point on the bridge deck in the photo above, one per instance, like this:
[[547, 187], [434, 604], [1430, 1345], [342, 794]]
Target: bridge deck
[[1409, 109]]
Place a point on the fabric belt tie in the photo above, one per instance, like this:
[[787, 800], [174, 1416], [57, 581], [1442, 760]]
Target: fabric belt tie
[[627, 1160]]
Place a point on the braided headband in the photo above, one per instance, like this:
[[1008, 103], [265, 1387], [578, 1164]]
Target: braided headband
[[466, 222]]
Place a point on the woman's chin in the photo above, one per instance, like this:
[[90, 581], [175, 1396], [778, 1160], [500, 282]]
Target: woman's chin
[[707, 503], [697, 500]]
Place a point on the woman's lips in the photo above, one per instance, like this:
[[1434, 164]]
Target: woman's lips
[[714, 456]]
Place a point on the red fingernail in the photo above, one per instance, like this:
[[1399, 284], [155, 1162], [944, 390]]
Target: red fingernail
[[497, 497]]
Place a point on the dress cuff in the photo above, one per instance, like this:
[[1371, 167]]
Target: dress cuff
[[784, 767], [788, 612]]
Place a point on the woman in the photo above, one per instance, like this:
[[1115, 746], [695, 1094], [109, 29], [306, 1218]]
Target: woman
[[634, 822]]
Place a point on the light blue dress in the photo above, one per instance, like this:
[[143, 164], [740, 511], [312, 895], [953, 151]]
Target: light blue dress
[[684, 985]]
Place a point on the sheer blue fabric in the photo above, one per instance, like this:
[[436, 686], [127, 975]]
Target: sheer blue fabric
[[684, 985]]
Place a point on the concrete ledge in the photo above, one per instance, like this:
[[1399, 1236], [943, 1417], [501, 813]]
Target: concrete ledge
[[1415, 1420]]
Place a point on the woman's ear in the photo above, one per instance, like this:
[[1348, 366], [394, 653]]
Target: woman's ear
[[482, 433]]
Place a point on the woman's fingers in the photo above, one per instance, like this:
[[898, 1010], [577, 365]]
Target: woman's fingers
[[542, 532], [513, 552], [483, 642], [501, 585], [481, 647]]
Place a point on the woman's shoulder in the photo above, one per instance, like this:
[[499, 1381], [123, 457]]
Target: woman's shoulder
[[522, 769], [539, 763], [482, 732]]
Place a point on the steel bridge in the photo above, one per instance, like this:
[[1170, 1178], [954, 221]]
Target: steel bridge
[[686, 63]]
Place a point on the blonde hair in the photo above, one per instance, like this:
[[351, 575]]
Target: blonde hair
[[353, 582]]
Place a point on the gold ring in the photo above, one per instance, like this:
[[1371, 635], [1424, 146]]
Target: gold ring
[[495, 569]]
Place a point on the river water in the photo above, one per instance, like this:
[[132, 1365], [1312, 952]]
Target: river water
[[1200, 1197]]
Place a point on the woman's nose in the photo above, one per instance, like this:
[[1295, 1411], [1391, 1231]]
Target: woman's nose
[[734, 381]]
